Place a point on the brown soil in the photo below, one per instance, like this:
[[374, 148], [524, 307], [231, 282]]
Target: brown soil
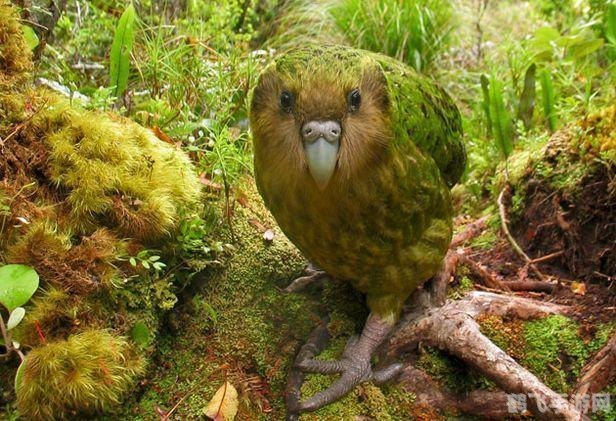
[[596, 305], [582, 227]]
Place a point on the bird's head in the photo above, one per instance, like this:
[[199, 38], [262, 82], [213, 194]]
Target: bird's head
[[321, 112]]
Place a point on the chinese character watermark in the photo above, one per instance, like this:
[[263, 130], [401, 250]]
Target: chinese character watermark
[[517, 403]]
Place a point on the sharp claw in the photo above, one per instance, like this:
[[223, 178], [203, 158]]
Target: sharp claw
[[312, 276], [312, 269], [338, 389], [323, 367], [354, 366], [388, 373]]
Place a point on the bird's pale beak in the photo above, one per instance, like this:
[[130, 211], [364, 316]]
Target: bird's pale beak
[[321, 145]]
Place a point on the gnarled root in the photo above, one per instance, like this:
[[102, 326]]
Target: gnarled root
[[453, 328]]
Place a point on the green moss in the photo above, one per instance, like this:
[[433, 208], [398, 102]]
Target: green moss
[[485, 241], [518, 164], [566, 159], [556, 353], [460, 289], [551, 348], [93, 188], [451, 372], [242, 320]]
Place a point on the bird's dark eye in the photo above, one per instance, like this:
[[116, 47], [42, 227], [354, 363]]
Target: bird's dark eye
[[286, 101], [354, 100]]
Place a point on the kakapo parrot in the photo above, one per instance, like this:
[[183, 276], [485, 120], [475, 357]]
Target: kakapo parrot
[[354, 155]]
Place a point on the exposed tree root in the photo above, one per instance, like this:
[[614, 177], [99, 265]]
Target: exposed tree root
[[453, 328], [487, 404], [599, 371], [516, 247]]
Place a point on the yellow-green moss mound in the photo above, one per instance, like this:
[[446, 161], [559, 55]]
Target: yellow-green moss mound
[[87, 372], [92, 201], [15, 56], [564, 196]]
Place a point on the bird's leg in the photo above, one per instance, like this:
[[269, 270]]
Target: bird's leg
[[354, 366], [312, 274]]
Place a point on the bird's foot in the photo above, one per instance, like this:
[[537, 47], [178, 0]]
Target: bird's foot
[[312, 275], [354, 367]]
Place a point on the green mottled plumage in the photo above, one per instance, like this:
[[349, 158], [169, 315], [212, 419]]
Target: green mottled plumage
[[384, 221]]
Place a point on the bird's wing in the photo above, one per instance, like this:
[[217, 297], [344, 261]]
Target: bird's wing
[[425, 114]]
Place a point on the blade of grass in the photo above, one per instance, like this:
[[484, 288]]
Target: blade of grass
[[547, 93], [526, 106], [501, 121]]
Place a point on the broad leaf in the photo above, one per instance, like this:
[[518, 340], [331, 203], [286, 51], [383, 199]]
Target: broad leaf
[[140, 334], [583, 48], [30, 36], [17, 285], [223, 406], [120, 51]]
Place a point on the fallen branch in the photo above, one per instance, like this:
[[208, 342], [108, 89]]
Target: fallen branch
[[528, 285], [480, 273], [547, 257], [471, 231]]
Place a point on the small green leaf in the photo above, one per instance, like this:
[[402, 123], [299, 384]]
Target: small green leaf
[[19, 375], [15, 317], [154, 258], [145, 264], [159, 265], [30, 36], [140, 334], [133, 261], [120, 51], [17, 285]]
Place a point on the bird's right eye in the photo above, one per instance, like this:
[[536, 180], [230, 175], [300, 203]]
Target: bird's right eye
[[286, 101]]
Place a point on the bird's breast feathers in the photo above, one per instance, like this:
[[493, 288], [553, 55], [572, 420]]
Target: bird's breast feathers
[[387, 230]]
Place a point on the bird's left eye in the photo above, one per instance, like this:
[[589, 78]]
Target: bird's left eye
[[286, 101], [354, 100]]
